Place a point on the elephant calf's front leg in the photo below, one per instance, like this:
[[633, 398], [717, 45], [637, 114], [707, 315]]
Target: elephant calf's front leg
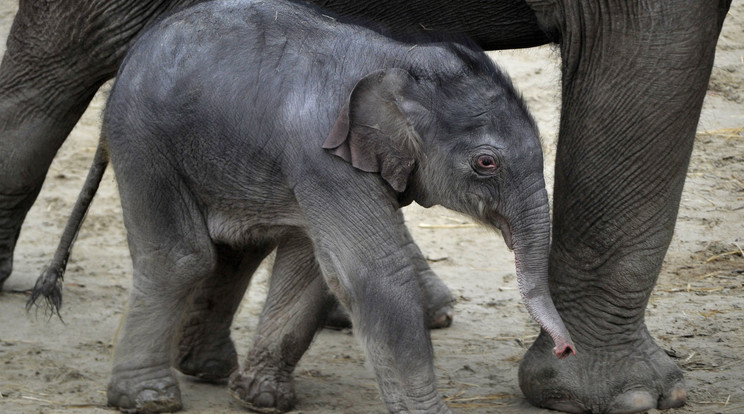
[[385, 301]]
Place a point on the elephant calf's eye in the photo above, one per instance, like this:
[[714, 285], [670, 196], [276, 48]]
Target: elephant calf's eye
[[486, 164]]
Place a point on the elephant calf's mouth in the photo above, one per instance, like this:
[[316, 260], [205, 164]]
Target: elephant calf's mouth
[[503, 225]]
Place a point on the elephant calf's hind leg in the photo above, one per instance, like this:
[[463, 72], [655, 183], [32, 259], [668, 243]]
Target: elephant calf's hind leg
[[293, 313], [205, 350]]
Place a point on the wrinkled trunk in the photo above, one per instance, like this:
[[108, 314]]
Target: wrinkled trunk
[[530, 237]]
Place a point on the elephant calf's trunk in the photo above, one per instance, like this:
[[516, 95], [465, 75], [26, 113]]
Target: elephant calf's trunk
[[531, 250], [536, 297]]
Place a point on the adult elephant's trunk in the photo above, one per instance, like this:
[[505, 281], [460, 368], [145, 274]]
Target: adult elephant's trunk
[[528, 233]]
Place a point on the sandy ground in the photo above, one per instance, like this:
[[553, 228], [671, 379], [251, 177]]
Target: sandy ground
[[696, 311]]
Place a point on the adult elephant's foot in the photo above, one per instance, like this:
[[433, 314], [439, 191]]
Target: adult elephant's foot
[[144, 391], [208, 358], [263, 390], [635, 377]]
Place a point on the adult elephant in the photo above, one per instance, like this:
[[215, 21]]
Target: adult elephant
[[634, 75]]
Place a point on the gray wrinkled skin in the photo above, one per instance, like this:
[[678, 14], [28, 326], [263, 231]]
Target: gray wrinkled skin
[[633, 78], [239, 125]]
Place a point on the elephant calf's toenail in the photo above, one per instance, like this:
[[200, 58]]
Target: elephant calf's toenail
[[264, 400], [633, 402], [676, 398]]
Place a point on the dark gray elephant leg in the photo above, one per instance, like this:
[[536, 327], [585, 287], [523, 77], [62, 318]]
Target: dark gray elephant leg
[[293, 313], [38, 108], [172, 255], [58, 55], [205, 349], [142, 379], [438, 299], [633, 86]]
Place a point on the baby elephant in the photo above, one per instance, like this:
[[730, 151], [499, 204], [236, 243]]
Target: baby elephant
[[238, 125]]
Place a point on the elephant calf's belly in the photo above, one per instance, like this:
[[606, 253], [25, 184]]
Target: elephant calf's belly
[[244, 227]]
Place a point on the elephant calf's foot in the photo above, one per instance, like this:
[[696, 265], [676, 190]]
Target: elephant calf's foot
[[442, 316], [636, 378], [207, 362], [147, 392], [263, 393], [439, 315], [438, 301]]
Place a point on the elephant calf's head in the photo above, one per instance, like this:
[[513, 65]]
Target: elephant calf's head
[[459, 135]]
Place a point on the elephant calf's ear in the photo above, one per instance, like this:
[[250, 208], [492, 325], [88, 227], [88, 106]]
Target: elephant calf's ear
[[373, 132]]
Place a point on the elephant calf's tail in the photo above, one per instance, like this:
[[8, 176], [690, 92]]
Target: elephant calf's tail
[[49, 284]]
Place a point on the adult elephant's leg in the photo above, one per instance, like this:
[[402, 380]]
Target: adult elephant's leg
[[40, 102], [58, 54], [634, 79], [205, 349]]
